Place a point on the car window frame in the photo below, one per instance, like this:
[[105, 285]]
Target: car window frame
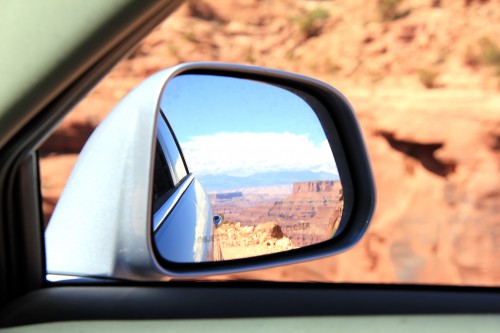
[[167, 140], [19, 166], [180, 184]]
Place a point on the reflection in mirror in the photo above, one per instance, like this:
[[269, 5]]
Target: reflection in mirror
[[260, 153]]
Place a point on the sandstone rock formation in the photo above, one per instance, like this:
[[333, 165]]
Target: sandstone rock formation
[[310, 215], [239, 241], [313, 186]]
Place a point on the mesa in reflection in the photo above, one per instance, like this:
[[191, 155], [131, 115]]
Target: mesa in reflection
[[258, 221]]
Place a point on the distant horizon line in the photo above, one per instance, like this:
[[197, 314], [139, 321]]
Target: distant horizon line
[[267, 186]]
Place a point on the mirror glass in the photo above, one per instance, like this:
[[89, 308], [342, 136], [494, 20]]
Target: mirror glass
[[261, 176]]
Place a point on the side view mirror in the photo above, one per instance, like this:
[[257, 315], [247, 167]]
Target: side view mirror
[[209, 168]]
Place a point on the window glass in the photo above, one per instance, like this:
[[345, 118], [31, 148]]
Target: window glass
[[162, 181], [423, 77], [171, 149]]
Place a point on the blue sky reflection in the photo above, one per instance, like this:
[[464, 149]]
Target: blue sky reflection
[[237, 127]]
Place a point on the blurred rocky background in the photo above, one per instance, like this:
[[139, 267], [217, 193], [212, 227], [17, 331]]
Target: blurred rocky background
[[424, 79]]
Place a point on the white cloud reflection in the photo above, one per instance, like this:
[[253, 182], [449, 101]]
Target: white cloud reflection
[[244, 154]]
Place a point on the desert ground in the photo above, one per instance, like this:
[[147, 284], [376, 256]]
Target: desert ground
[[424, 79]]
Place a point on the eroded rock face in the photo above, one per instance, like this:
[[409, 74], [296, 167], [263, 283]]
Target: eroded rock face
[[311, 213], [313, 186], [239, 241]]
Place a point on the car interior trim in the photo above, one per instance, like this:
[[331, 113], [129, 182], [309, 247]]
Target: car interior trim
[[386, 324], [246, 299]]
